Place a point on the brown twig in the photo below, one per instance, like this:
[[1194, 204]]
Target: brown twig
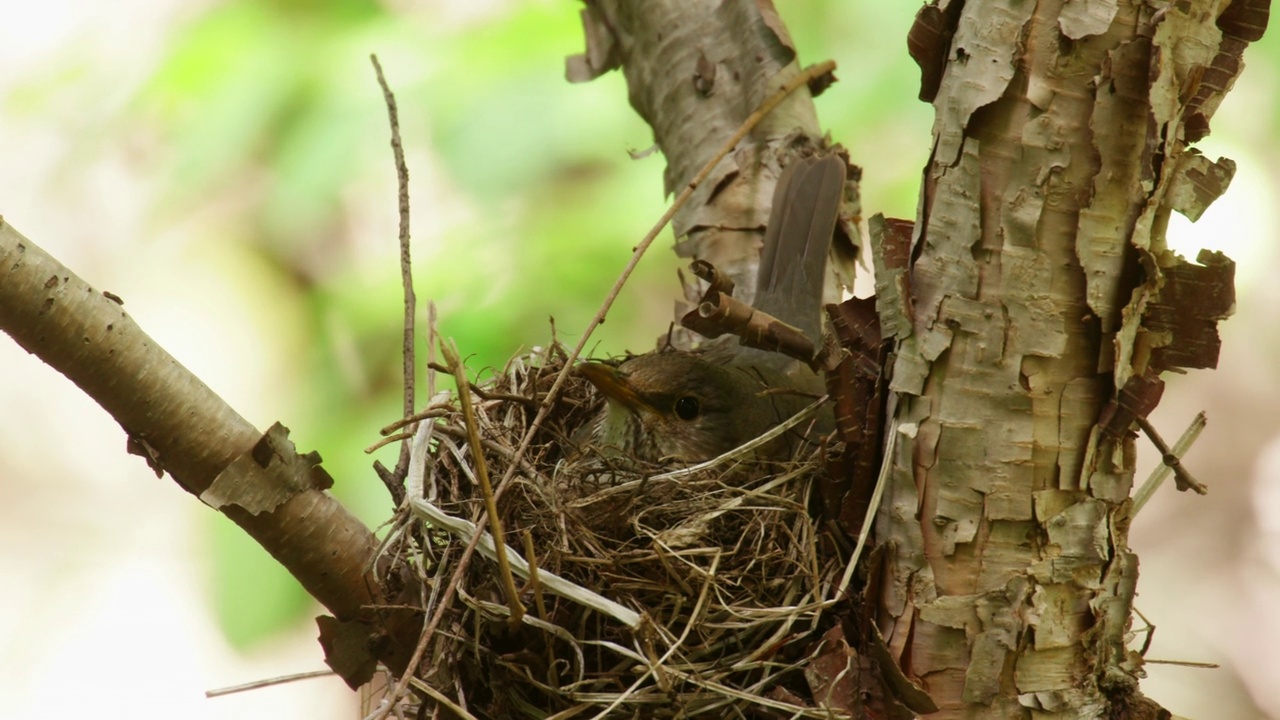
[[387, 441], [487, 394], [1149, 630], [450, 352], [388, 478], [406, 268], [1183, 663], [432, 334], [444, 700], [1161, 473], [431, 412], [1181, 476], [531, 556]]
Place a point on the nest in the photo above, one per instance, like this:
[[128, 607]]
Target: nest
[[695, 592]]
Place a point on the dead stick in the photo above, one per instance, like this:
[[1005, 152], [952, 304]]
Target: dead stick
[[1150, 632], [450, 352], [388, 440], [1161, 473], [432, 333], [269, 682], [431, 412], [1183, 663], [486, 394], [1171, 460], [531, 557], [406, 266]]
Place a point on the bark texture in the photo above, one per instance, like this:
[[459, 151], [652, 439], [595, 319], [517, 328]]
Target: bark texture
[[695, 70], [1061, 145]]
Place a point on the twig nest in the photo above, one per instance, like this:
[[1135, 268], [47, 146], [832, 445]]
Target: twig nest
[[727, 585]]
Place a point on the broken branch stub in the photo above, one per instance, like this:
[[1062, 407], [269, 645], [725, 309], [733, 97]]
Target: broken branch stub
[[719, 313]]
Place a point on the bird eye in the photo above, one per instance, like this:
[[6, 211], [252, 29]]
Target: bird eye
[[687, 407]]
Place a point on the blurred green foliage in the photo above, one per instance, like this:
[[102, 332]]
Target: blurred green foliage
[[530, 208]]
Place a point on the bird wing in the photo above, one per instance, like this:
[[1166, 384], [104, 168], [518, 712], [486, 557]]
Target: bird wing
[[806, 207]]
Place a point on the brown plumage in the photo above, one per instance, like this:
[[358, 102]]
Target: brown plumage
[[685, 407]]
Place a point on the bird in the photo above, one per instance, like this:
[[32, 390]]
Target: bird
[[678, 406]]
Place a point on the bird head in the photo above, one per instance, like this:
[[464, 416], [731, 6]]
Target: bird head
[[676, 406]]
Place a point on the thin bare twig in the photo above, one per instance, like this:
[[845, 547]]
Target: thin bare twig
[[256, 684], [1183, 663], [1149, 630], [531, 556], [1161, 473], [1182, 477], [432, 333], [487, 394], [430, 412], [443, 699], [407, 434], [450, 352], [406, 268]]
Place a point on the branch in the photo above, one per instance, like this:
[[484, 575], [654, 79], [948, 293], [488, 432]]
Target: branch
[[187, 430], [395, 483]]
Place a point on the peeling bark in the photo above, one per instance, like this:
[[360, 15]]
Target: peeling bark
[[695, 71], [1041, 285]]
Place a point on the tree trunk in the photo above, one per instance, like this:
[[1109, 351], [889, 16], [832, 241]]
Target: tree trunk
[[1043, 306]]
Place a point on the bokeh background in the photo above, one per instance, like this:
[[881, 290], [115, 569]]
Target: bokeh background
[[224, 168]]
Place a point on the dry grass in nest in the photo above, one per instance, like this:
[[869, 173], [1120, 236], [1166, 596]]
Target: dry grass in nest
[[720, 585]]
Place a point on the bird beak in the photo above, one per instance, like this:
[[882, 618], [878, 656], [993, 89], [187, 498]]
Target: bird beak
[[614, 386]]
